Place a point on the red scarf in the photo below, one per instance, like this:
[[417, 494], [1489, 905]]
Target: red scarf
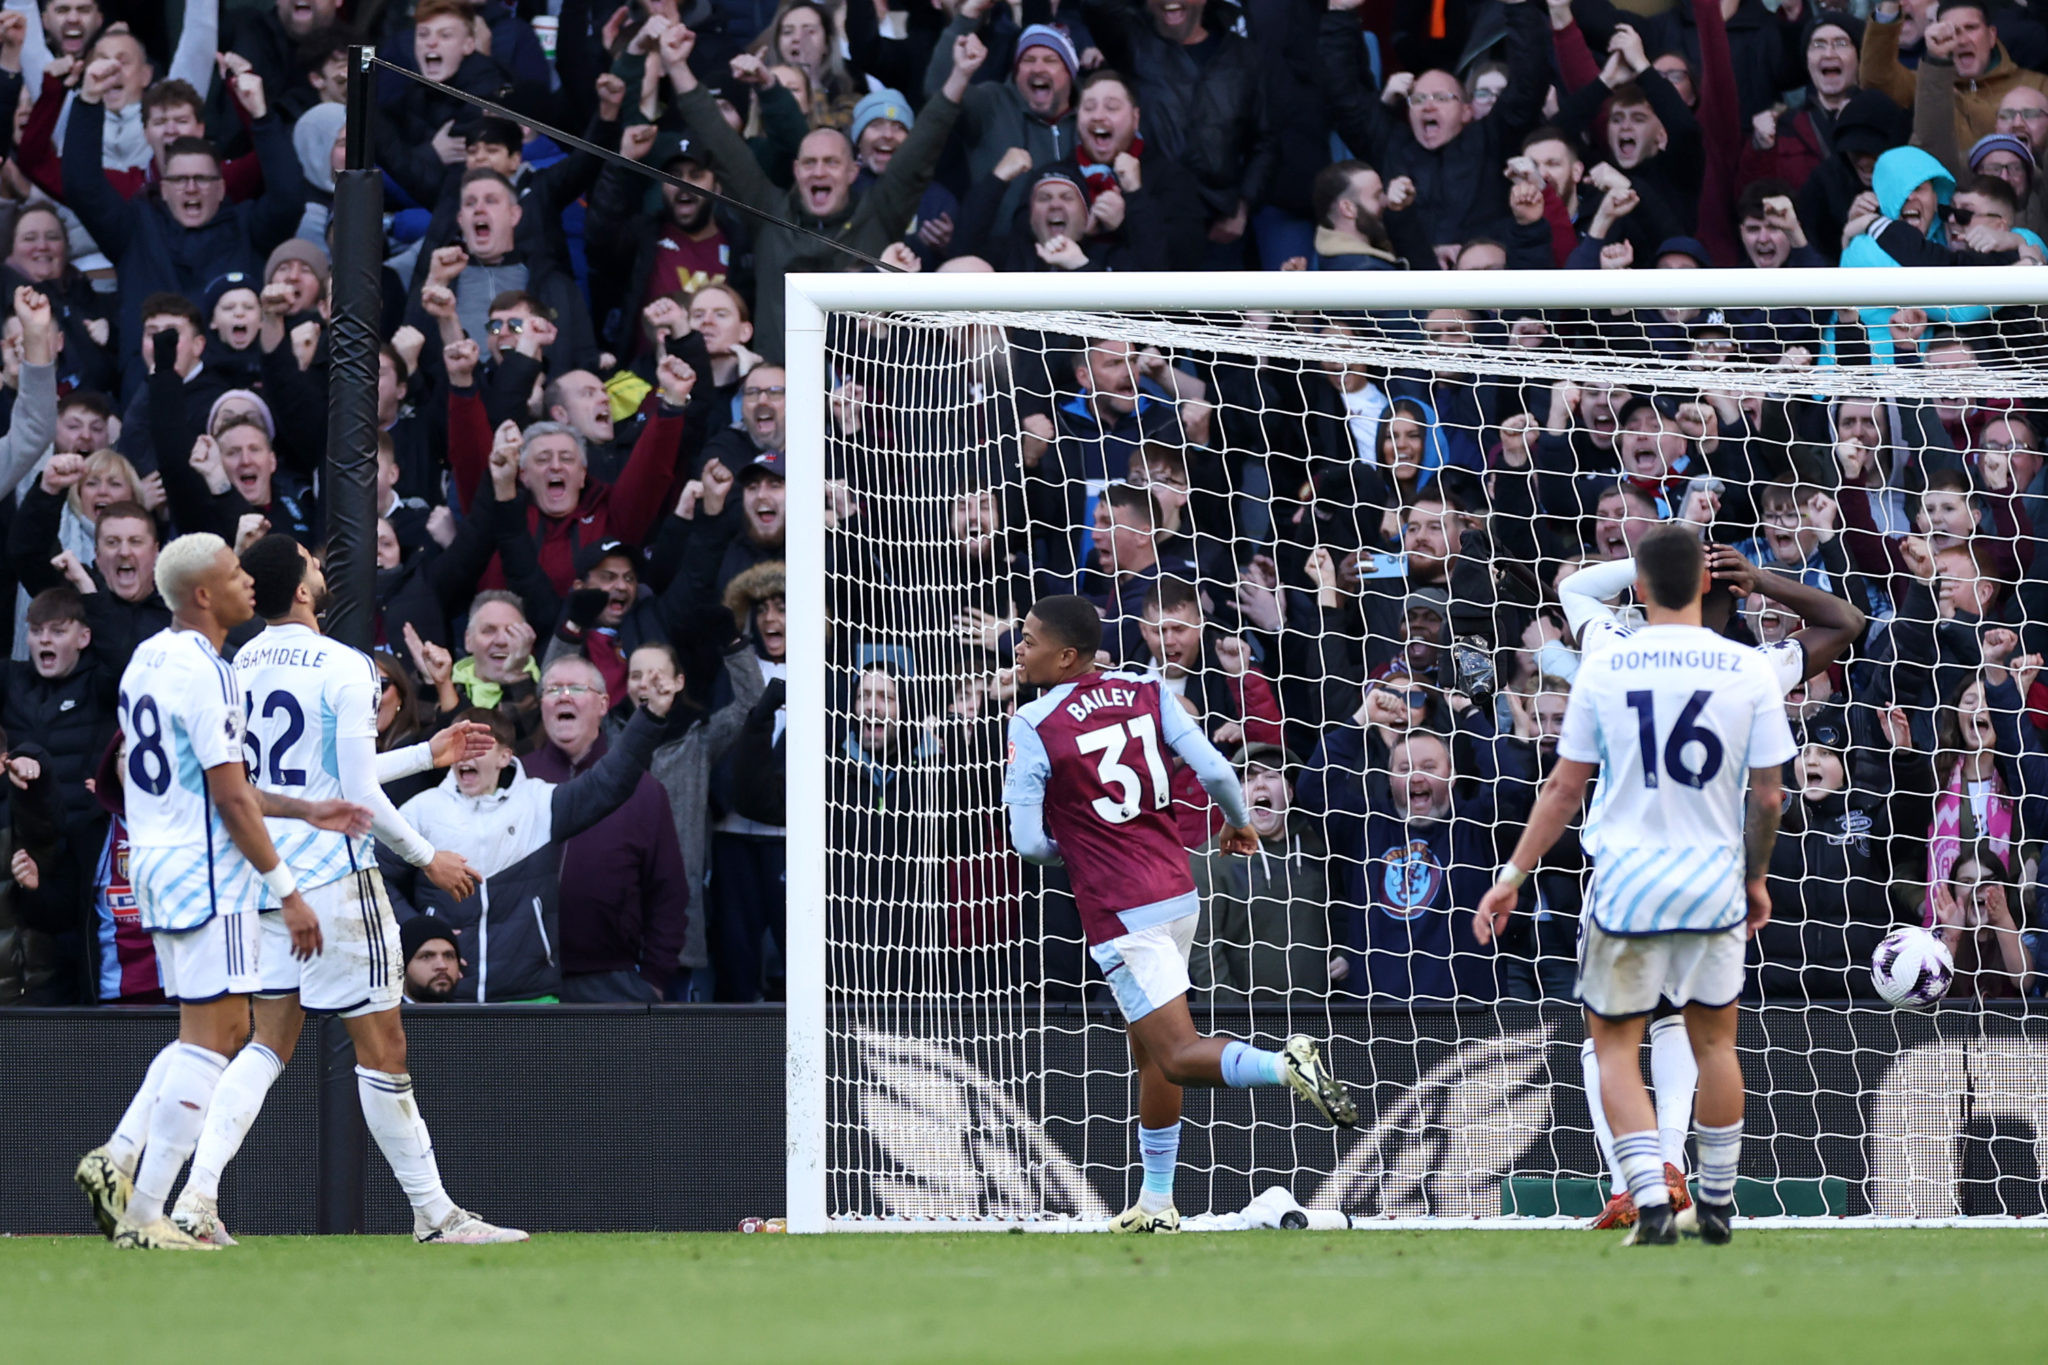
[[1099, 177]]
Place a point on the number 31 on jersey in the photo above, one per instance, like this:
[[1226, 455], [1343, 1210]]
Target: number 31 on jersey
[[1109, 741]]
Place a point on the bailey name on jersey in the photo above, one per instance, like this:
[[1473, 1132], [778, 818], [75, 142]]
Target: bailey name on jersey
[[1085, 704]]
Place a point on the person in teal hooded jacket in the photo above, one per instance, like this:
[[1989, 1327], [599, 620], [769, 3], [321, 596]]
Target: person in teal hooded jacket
[[1911, 228]]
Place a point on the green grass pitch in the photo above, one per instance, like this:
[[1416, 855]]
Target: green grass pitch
[[1247, 1298]]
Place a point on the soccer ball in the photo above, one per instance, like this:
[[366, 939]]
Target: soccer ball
[[1912, 969]]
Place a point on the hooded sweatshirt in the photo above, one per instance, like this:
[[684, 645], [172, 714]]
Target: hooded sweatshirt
[[1900, 172], [313, 138]]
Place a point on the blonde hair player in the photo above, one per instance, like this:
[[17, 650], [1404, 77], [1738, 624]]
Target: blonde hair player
[[201, 861], [313, 730]]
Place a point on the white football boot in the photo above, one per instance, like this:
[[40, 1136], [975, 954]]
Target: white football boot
[[199, 1218], [461, 1228]]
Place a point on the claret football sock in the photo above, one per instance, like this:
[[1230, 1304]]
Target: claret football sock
[[125, 1146], [1159, 1149], [1244, 1065], [236, 1102], [174, 1125], [393, 1118]]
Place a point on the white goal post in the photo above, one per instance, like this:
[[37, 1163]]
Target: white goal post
[[1422, 1155]]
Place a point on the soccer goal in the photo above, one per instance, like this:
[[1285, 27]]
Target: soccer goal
[[1334, 510]]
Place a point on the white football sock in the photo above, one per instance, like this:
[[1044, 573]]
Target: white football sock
[[393, 1118], [1589, 1065], [1639, 1157], [125, 1146], [1674, 1077], [174, 1124], [1720, 1158], [236, 1102]]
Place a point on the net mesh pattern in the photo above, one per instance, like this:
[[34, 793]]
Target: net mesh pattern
[[1340, 538]]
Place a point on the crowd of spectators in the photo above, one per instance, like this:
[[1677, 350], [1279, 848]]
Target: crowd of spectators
[[1349, 571]]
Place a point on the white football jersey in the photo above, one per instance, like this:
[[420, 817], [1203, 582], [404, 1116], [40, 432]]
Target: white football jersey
[[1675, 716], [181, 713], [305, 694], [1787, 657]]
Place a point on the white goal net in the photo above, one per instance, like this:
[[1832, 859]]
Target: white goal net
[[1334, 512]]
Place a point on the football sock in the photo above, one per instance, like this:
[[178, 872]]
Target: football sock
[[1720, 1155], [174, 1124], [1643, 1162], [393, 1118], [236, 1102], [125, 1146], [1244, 1065], [1159, 1149], [1589, 1066], [1674, 1077]]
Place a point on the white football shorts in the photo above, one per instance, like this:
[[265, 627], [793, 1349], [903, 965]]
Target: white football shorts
[[1620, 977], [221, 957], [1148, 967], [357, 970]]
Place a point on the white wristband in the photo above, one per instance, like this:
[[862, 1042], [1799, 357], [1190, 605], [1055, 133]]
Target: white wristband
[[279, 882], [1510, 875]]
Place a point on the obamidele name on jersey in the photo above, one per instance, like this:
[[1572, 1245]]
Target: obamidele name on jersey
[[1675, 716], [181, 713], [305, 693]]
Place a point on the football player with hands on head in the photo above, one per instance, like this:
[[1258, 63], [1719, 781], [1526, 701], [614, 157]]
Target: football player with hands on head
[[1679, 724]]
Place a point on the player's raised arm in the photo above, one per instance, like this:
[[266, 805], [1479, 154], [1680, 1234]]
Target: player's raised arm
[[464, 739], [1833, 624], [1585, 595], [1561, 798], [356, 758]]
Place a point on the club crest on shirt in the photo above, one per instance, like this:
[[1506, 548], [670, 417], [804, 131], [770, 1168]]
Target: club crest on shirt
[[1411, 881]]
